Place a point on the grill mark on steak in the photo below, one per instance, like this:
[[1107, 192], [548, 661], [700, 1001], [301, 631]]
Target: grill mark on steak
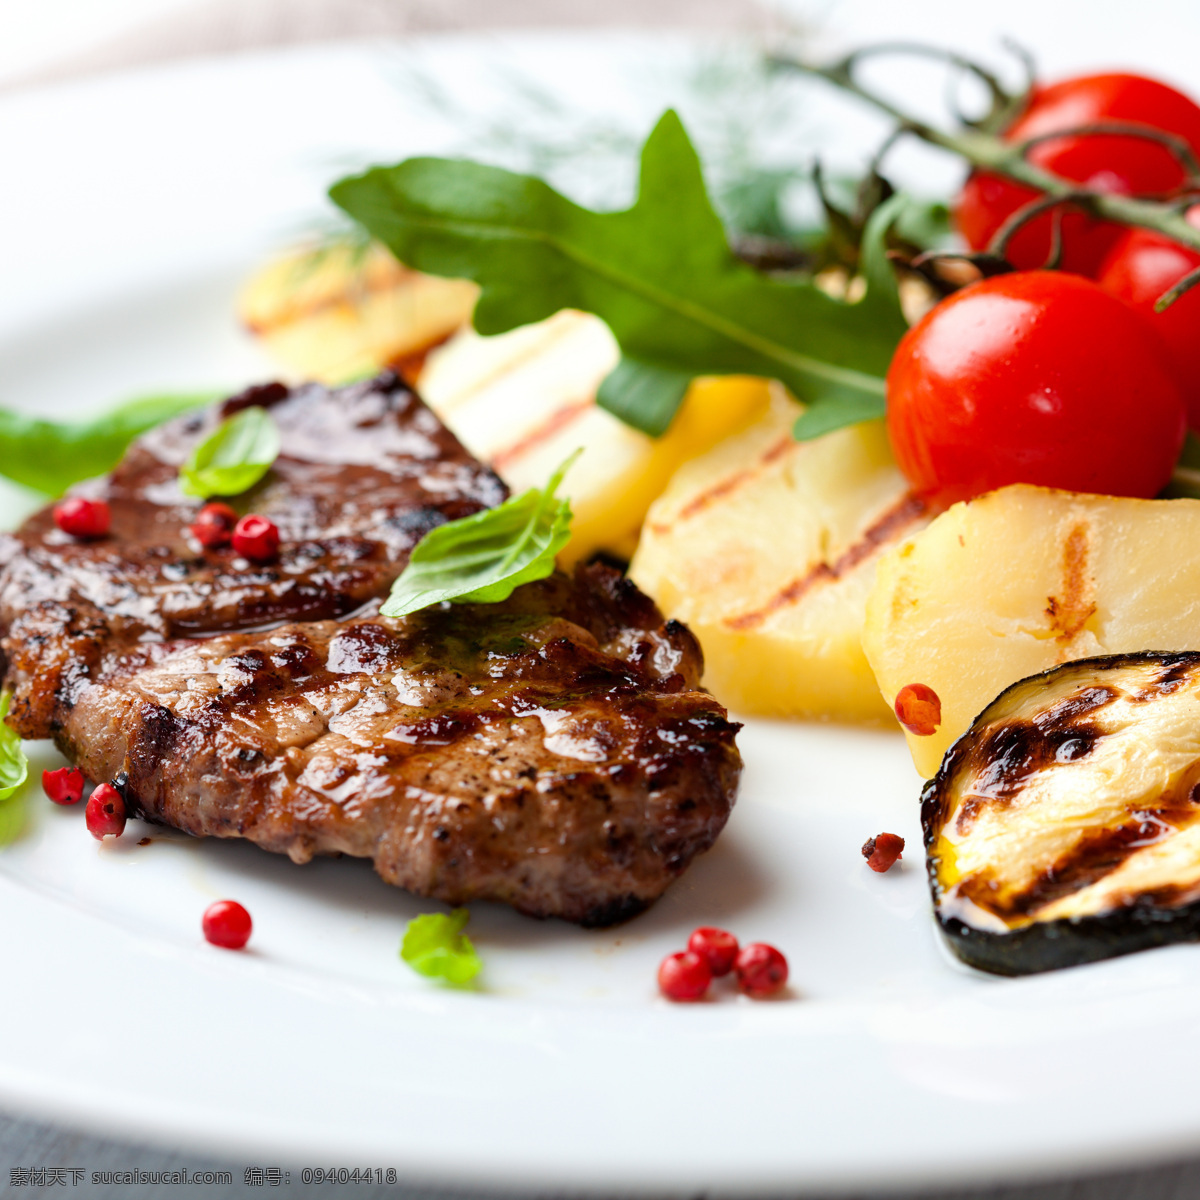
[[553, 752]]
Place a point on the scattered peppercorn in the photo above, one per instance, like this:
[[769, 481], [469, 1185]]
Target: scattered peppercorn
[[105, 812], [256, 538], [716, 946], [684, 976], [214, 525], [882, 851], [919, 709], [83, 519], [226, 923], [761, 970], [64, 786]]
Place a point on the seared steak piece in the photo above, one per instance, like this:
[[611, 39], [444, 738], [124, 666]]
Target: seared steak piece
[[553, 752], [364, 473]]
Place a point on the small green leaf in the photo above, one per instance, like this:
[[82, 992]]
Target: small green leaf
[[1185, 480], [14, 770], [14, 767], [836, 412], [434, 945], [234, 457], [484, 558], [643, 396], [49, 456]]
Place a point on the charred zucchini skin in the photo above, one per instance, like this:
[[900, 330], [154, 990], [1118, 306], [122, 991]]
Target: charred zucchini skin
[[1055, 944], [1052, 945]]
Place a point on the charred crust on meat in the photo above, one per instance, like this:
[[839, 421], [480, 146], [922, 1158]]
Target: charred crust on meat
[[553, 751]]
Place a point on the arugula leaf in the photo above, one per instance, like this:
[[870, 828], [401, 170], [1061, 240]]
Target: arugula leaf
[[484, 558], [838, 408], [234, 457], [14, 770], [660, 274], [434, 945], [49, 456]]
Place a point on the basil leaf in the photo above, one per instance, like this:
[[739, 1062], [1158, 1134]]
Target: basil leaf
[[660, 274], [434, 945], [49, 456], [14, 770], [484, 558], [234, 457]]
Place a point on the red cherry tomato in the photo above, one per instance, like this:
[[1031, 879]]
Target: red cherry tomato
[[1034, 377], [1110, 163], [1139, 268]]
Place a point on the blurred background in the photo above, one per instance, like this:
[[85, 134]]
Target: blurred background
[[44, 40]]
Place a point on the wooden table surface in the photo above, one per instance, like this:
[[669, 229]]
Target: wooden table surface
[[227, 26]]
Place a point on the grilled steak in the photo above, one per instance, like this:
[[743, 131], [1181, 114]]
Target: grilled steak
[[553, 752]]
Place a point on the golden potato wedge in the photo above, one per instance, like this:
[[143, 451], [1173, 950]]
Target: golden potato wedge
[[523, 401], [1023, 579], [336, 312], [766, 547]]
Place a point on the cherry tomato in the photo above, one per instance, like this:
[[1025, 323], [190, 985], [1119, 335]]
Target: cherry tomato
[[1034, 377], [1109, 163], [1139, 268]]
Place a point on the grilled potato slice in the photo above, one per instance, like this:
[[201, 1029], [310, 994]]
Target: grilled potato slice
[[523, 401], [1064, 826], [1020, 580], [766, 547], [336, 312]]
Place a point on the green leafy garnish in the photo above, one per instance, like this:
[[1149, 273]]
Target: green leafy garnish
[[49, 456], [484, 558], [14, 770], [660, 274], [435, 945], [234, 457], [1185, 480]]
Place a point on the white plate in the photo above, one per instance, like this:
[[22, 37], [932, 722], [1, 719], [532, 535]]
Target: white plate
[[133, 208]]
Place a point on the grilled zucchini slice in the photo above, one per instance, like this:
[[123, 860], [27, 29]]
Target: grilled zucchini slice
[[1064, 826]]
